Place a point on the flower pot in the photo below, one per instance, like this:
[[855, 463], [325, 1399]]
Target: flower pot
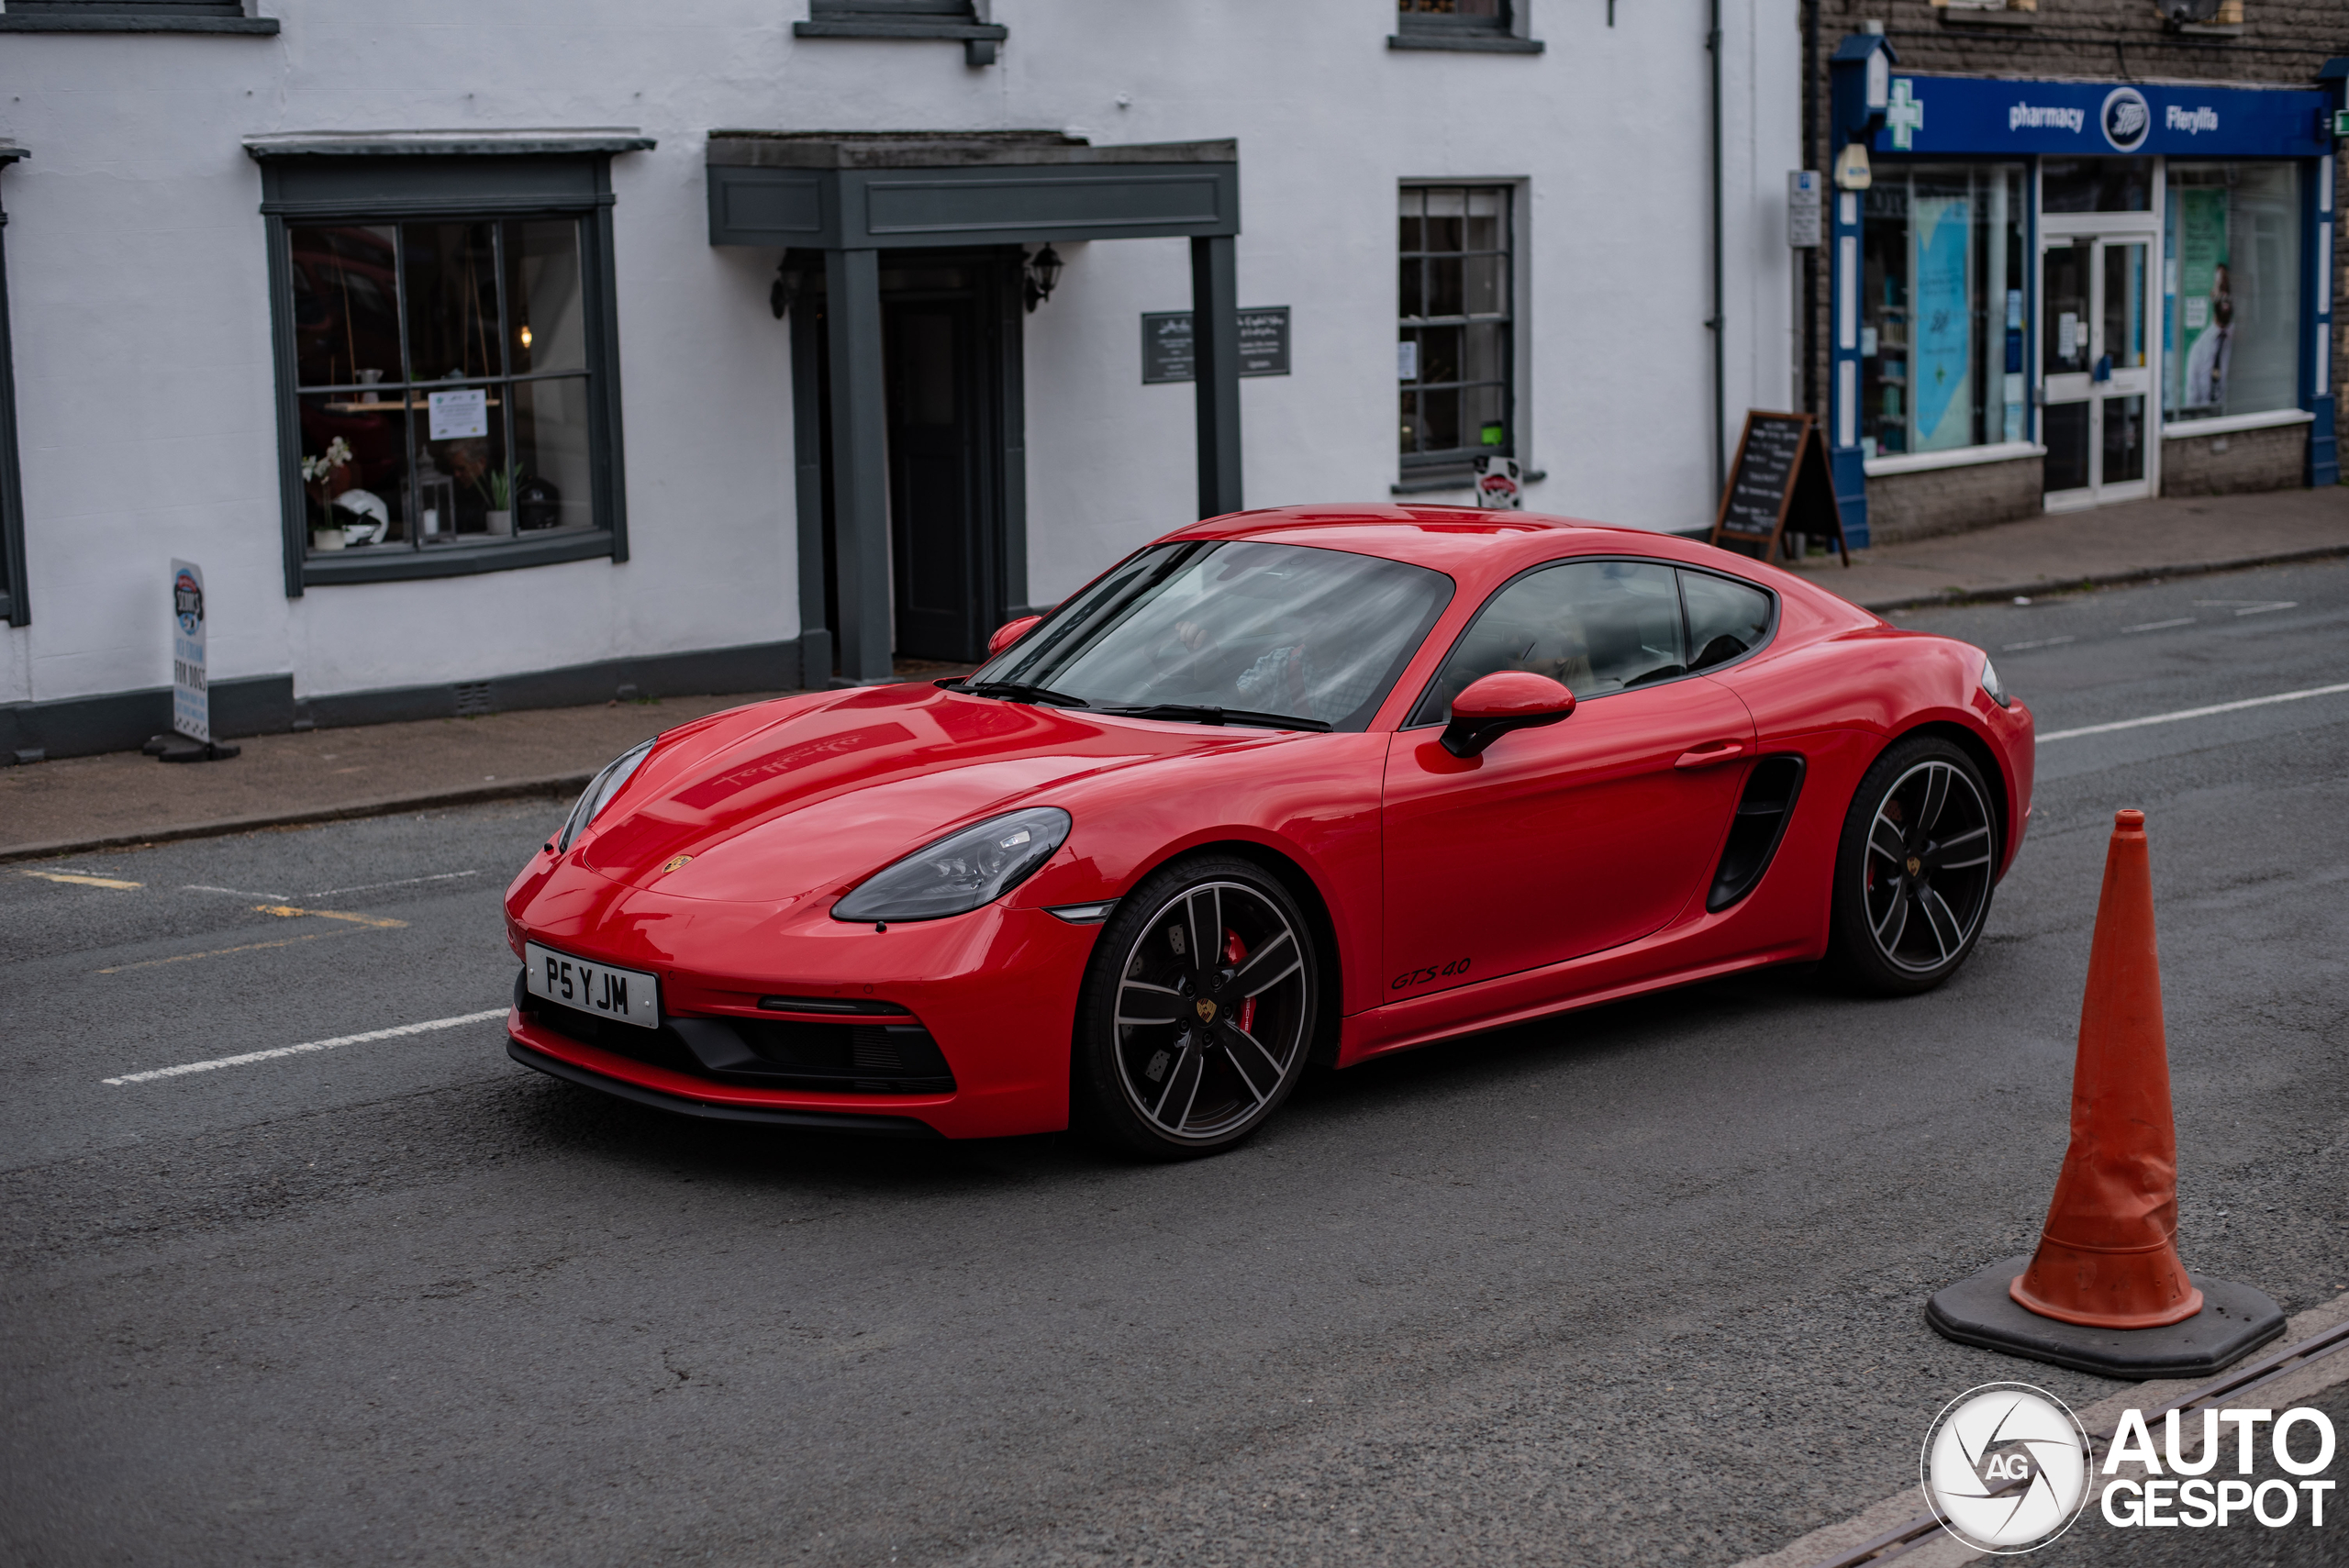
[[500, 522], [326, 538]]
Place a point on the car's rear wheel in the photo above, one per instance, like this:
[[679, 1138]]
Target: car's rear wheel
[[1914, 869], [1198, 1013]]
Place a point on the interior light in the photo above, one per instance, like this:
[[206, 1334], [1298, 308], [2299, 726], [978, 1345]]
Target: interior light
[[525, 336]]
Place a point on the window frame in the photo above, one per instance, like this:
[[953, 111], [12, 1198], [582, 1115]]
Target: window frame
[[491, 184], [138, 16], [16, 603], [1458, 462], [1504, 34], [1769, 631]]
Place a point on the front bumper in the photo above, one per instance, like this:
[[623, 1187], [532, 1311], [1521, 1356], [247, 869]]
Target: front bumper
[[996, 990]]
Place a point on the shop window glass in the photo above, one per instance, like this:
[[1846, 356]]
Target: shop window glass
[[1454, 344], [1941, 308], [2096, 184], [442, 381], [2230, 290]]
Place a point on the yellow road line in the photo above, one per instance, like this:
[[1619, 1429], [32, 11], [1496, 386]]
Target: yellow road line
[[248, 947], [81, 881], [289, 912]]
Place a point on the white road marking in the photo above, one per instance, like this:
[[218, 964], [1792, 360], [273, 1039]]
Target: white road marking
[[2158, 624], [371, 886], [231, 891], [2192, 713], [2264, 609], [308, 1046], [2250, 607], [2042, 642]]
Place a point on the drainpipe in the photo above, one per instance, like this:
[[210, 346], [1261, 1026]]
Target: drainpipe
[[1719, 325]]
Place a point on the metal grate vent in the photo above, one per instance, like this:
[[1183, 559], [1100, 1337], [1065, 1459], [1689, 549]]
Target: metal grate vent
[[473, 697]]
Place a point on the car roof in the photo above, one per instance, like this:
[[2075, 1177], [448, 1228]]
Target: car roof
[[1462, 541]]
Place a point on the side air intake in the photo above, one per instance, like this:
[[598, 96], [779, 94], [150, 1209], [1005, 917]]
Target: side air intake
[[1762, 814]]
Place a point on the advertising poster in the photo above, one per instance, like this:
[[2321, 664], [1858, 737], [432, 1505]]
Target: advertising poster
[[190, 699], [2202, 302], [1942, 363]]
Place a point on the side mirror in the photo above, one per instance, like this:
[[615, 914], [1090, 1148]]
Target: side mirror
[[1009, 633], [1501, 702]]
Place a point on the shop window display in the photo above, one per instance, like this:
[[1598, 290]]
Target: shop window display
[[442, 378], [2230, 290], [1941, 308], [1453, 347]]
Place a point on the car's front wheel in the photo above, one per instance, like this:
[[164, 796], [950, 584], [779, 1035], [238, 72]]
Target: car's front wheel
[[1914, 869], [1198, 1012]]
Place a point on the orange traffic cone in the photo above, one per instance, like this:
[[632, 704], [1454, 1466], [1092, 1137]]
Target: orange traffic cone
[[2108, 1255], [2106, 1291]]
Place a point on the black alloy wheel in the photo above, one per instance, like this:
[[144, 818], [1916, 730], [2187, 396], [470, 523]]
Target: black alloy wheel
[[1198, 1013], [1914, 871]]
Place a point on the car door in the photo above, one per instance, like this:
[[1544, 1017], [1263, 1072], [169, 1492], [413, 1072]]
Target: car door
[[1569, 839]]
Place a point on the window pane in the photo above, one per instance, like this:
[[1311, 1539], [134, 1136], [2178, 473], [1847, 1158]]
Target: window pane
[[2064, 339], [1443, 285], [1439, 353], [1413, 201], [463, 484], [2064, 427], [1410, 430], [1441, 412], [1596, 627], [1408, 303], [1725, 619], [1941, 308], [1481, 408], [1485, 209], [1485, 285], [2124, 440], [554, 486], [544, 304], [353, 496], [1445, 208], [2124, 305], [2230, 316], [1483, 343], [451, 300], [346, 315], [2096, 184]]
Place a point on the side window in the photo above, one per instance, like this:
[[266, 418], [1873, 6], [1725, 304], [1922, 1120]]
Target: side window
[[1594, 625], [1725, 619]]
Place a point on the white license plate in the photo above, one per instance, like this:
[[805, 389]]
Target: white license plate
[[624, 995]]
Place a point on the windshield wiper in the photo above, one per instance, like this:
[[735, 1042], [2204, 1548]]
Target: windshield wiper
[[1197, 714], [1019, 691]]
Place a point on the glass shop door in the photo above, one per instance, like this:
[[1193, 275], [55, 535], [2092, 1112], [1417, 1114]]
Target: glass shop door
[[2097, 418]]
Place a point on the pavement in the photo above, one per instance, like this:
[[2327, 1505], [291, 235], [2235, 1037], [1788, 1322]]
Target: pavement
[[106, 802], [1638, 1285]]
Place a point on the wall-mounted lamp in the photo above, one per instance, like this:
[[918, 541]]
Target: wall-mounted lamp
[[1043, 276]]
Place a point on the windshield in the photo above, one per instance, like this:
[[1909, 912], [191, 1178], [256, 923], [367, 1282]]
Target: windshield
[[1272, 629]]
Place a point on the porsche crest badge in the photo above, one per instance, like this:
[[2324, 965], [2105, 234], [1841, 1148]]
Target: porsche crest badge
[[1206, 1009], [673, 862]]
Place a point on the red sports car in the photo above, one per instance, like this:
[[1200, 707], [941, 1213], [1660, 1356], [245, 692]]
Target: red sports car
[[1309, 785]]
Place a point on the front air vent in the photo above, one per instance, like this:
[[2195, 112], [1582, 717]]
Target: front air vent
[[1762, 815]]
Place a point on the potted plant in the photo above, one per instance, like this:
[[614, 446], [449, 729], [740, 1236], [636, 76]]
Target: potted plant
[[322, 476], [497, 488]]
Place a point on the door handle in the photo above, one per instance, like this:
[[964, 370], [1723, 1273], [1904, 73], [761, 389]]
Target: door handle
[[1711, 752]]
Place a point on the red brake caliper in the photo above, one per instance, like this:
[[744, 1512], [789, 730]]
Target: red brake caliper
[[1234, 949]]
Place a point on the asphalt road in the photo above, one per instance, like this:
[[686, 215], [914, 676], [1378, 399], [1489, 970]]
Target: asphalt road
[[1638, 1285]]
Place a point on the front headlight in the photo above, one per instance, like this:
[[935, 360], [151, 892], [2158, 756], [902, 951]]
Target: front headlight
[[599, 793], [961, 871], [1992, 685]]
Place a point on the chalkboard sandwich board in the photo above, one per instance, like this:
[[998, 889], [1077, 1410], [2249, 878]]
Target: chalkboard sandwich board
[[1779, 485]]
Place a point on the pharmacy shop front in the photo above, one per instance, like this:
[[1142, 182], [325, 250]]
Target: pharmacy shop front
[[2084, 280]]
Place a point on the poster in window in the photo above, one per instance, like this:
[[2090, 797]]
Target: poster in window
[[1943, 359], [2205, 301]]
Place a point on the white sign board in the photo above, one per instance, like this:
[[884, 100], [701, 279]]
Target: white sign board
[[458, 414], [1499, 484], [190, 701], [1803, 192]]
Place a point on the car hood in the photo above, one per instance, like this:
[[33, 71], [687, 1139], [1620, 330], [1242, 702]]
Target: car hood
[[802, 795]]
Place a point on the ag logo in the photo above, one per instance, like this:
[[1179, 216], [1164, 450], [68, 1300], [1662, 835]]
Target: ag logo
[[2127, 118], [2006, 1468]]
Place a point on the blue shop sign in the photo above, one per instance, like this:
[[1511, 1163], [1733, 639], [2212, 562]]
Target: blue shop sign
[[1983, 114]]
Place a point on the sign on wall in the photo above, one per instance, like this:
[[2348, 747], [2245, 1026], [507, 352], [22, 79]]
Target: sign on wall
[[1979, 115], [1803, 196], [191, 698], [1168, 351]]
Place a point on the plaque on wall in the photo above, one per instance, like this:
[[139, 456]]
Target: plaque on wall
[[1167, 349]]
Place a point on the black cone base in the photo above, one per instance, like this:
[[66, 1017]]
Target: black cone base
[[182, 751], [2235, 1319]]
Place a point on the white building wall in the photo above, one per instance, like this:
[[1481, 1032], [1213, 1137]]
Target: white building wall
[[139, 298]]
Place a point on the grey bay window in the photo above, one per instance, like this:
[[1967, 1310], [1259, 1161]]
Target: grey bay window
[[133, 17], [1455, 347], [447, 368], [966, 21], [1493, 27]]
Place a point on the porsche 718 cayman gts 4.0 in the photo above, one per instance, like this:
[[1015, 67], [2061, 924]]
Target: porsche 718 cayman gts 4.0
[[1292, 786]]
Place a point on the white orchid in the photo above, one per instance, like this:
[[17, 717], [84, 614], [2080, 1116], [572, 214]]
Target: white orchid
[[316, 468]]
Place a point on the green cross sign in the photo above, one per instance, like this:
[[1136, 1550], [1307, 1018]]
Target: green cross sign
[[1905, 114]]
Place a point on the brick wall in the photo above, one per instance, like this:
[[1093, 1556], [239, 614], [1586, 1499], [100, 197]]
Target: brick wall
[[2236, 463], [1904, 506], [2277, 42]]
